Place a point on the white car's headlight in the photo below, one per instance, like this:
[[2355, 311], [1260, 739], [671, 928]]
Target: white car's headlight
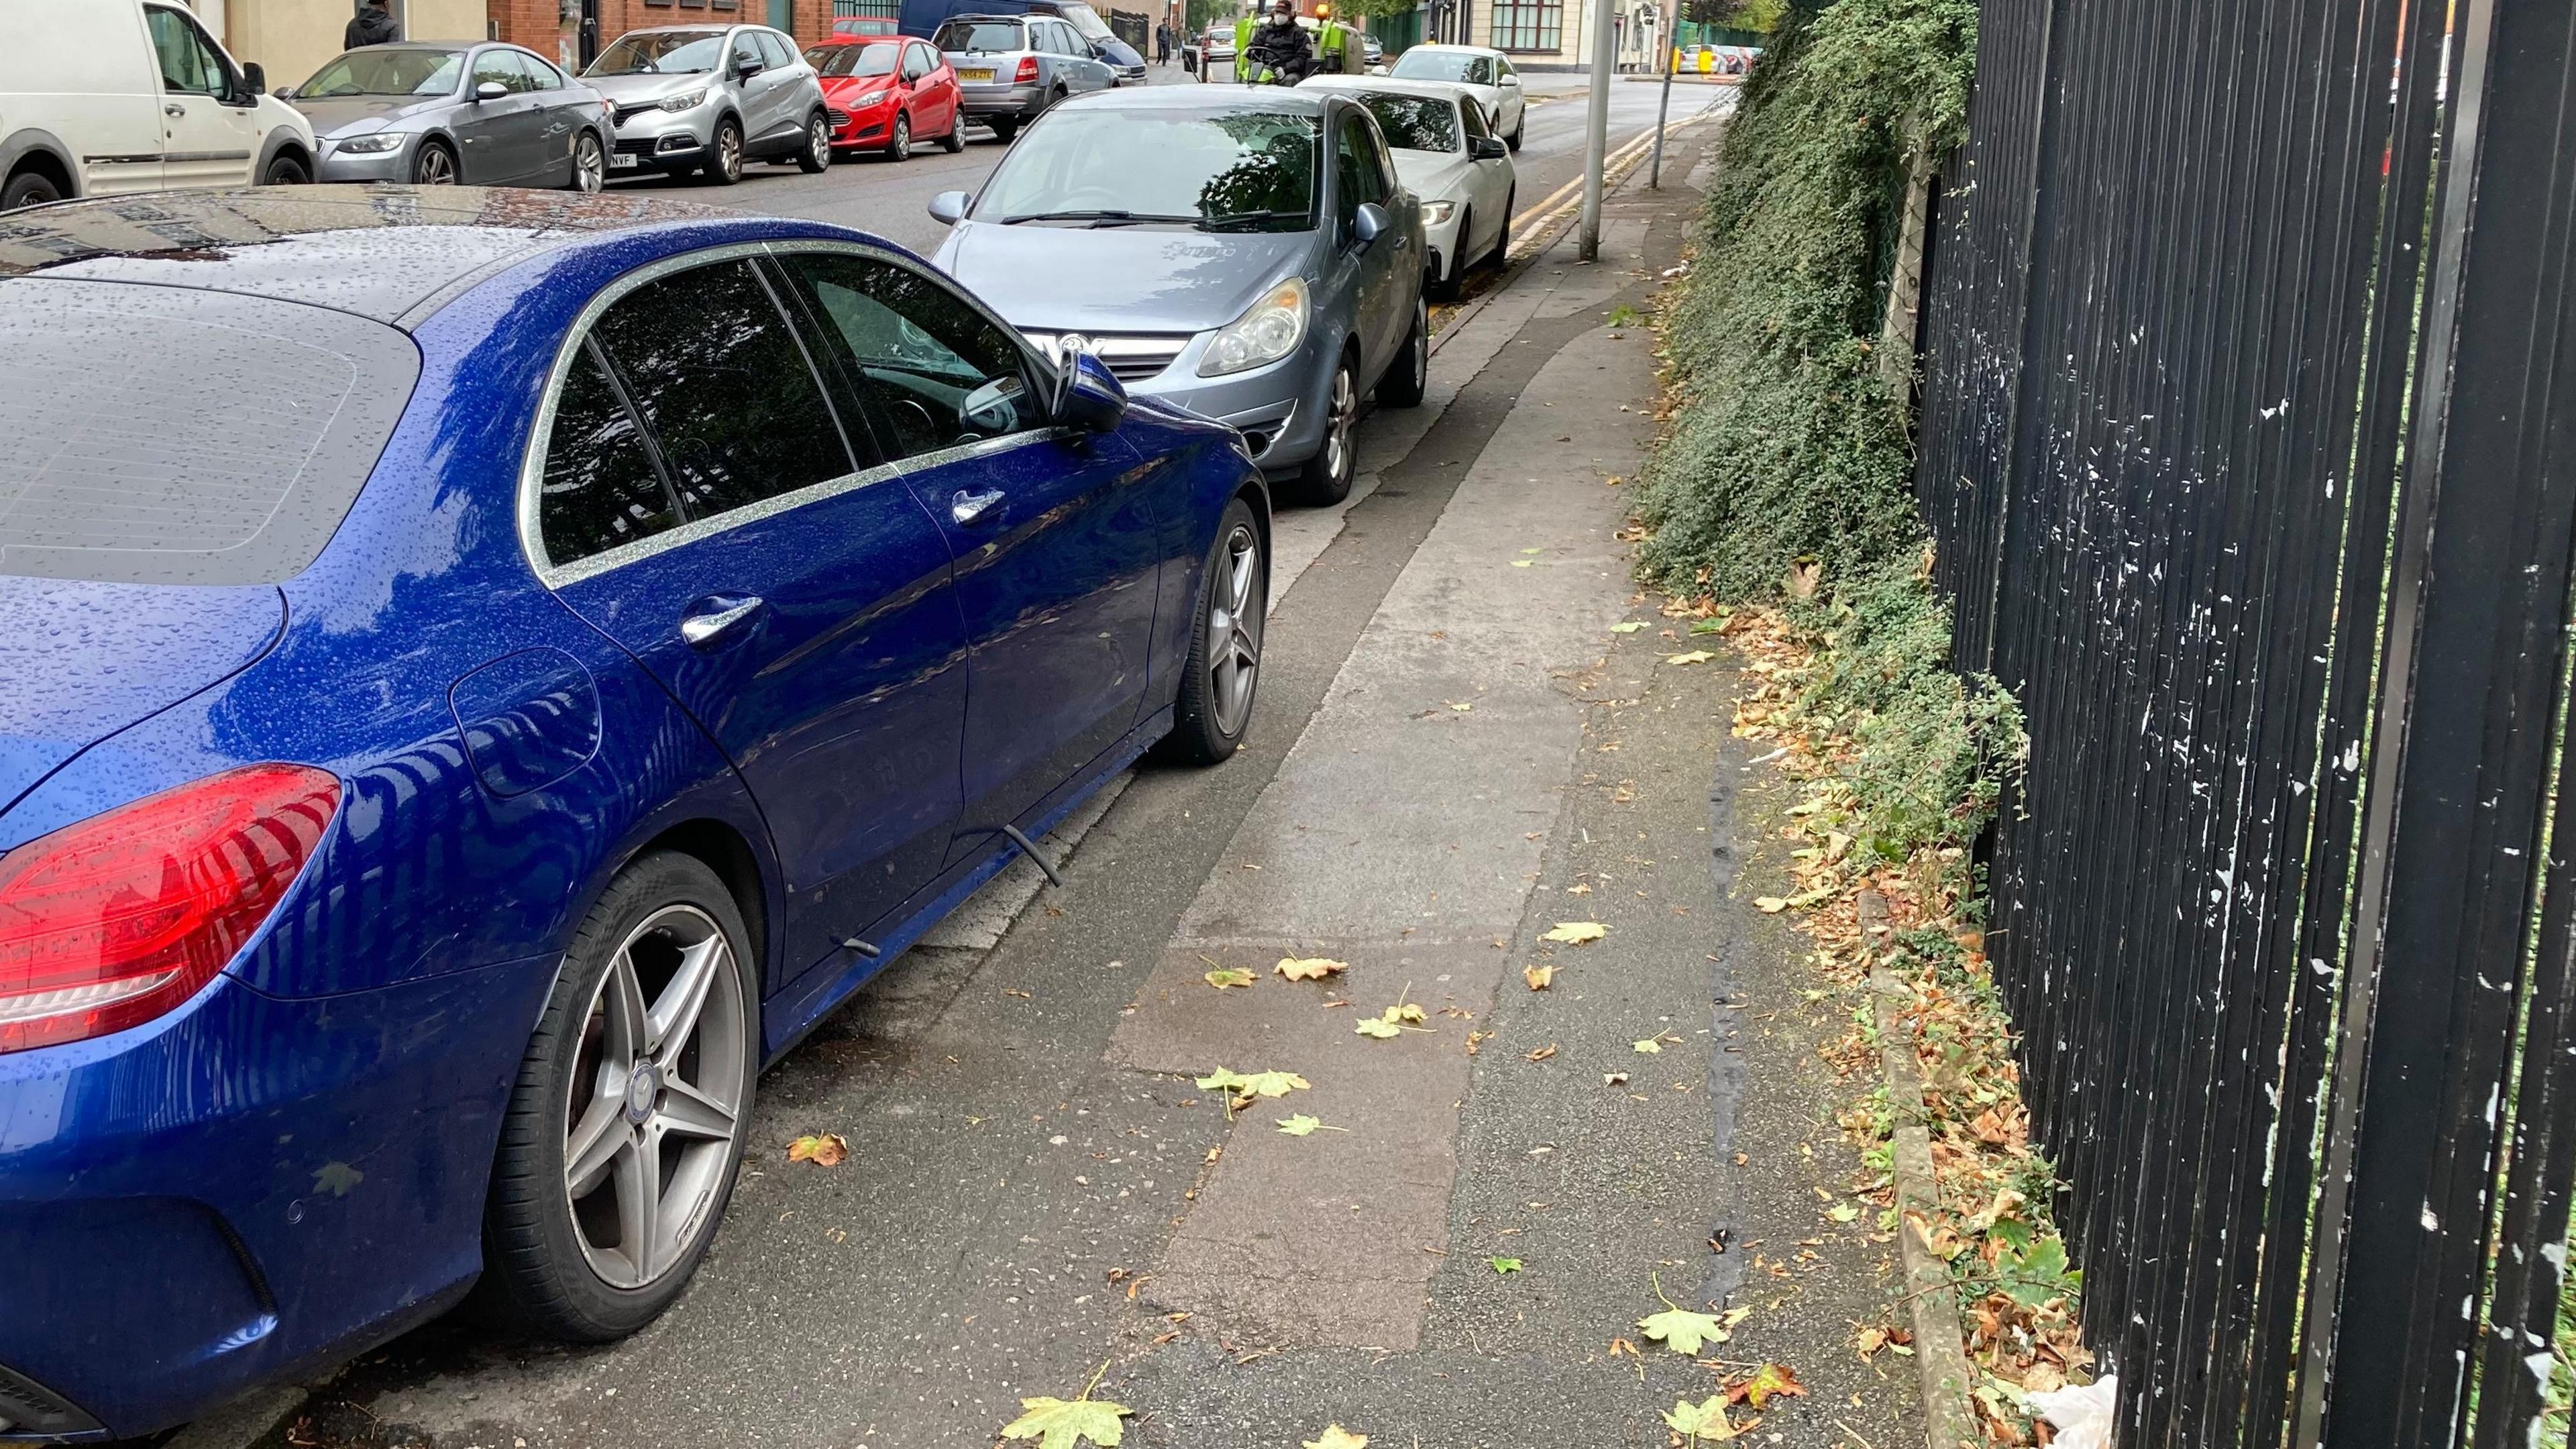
[[689, 102], [372, 145], [1268, 331], [1436, 213]]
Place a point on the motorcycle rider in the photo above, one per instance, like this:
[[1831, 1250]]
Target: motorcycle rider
[[1281, 44]]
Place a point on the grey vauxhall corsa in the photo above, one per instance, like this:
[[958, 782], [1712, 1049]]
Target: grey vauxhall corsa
[[1244, 252], [707, 98], [456, 113]]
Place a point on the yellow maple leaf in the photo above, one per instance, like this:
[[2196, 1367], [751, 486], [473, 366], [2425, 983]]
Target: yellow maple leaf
[[1309, 968], [1337, 1437], [1577, 933], [1695, 656]]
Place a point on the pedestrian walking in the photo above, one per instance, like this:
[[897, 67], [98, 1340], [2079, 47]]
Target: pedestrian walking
[[374, 24], [1163, 43]]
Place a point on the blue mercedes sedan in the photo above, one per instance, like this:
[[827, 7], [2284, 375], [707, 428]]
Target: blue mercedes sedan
[[484, 673]]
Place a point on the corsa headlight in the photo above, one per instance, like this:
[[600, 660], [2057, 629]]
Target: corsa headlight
[[374, 145], [689, 102], [1269, 330], [1436, 213]]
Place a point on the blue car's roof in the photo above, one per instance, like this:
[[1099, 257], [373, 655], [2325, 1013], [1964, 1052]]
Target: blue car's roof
[[377, 251]]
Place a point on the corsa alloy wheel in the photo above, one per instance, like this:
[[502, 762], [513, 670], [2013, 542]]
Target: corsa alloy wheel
[[1337, 426], [657, 1100], [1234, 630]]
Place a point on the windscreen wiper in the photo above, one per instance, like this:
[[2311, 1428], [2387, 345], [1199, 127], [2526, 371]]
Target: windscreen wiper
[[1239, 220], [1098, 218]]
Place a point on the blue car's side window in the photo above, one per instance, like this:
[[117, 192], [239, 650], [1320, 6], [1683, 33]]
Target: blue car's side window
[[601, 488], [930, 370], [707, 358]]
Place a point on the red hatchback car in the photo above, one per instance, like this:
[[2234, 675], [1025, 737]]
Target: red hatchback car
[[885, 93]]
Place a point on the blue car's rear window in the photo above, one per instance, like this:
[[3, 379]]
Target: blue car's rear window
[[159, 435]]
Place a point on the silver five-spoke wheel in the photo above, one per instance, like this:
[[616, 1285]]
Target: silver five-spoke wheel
[[1234, 630], [1345, 415], [656, 1098]]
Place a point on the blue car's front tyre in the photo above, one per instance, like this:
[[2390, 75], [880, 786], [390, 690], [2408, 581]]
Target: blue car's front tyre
[[1224, 669], [625, 1129]]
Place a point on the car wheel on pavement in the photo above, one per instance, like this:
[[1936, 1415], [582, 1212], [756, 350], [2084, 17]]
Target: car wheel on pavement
[[29, 188], [1215, 706], [817, 155], [1004, 128], [1513, 141], [955, 140], [899, 145], [1326, 477], [626, 1126], [285, 171], [435, 165], [1410, 373], [1447, 285], [589, 163], [724, 167]]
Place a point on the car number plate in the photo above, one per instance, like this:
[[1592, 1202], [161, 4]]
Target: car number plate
[[621, 162], [975, 75]]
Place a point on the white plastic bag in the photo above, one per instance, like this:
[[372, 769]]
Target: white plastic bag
[[2081, 1414]]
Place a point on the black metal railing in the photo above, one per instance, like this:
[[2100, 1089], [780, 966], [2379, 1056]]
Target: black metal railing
[[2249, 448]]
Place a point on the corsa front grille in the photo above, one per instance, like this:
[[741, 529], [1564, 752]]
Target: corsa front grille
[[1131, 357]]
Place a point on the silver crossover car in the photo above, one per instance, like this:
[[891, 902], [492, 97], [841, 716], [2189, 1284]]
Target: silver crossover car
[[433, 114], [1245, 252], [707, 98]]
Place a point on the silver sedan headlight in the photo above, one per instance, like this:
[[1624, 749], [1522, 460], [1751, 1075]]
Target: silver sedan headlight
[[375, 144], [1269, 330]]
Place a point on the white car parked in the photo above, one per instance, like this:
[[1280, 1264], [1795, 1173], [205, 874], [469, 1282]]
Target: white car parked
[[1486, 73], [109, 96], [1448, 156]]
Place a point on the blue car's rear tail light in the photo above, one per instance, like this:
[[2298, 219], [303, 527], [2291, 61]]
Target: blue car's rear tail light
[[111, 922]]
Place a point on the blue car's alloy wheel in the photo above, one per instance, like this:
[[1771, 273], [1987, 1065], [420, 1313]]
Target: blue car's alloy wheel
[[1224, 669], [628, 1121]]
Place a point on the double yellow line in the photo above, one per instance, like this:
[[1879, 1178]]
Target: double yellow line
[[1527, 226]]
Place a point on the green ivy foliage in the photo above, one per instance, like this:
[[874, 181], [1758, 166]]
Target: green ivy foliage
[[1788, 445], [1934, 748]]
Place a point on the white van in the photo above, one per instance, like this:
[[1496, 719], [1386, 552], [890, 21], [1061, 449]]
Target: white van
[[100, 97]]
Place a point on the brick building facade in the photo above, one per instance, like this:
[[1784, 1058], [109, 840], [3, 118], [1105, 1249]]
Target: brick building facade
[[545, 27]]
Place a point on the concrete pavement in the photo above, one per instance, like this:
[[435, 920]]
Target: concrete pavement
[[1036, 1185]]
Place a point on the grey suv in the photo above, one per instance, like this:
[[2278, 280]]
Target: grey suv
[[707, 98], [1011, 68]]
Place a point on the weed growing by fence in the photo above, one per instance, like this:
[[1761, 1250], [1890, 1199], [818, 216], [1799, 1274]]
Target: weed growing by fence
[[1788, 443]]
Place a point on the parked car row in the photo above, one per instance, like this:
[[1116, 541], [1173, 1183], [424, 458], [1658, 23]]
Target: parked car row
[[527, 681]]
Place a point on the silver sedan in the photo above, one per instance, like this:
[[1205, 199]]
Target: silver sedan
[[432, 114]]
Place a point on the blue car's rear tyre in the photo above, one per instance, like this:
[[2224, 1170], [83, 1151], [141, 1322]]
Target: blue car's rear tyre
[[1217, 685], [627, 1125], [1409, 376]]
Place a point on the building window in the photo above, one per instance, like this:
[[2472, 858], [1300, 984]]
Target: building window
[[1528, 24]]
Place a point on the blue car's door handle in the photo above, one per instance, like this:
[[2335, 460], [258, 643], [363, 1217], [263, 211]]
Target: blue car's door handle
[[716, 619], [971, 506]]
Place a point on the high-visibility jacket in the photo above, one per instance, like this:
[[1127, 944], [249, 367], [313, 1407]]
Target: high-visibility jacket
[[1335, 44]]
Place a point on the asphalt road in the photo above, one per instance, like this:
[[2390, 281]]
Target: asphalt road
[[893, 200]]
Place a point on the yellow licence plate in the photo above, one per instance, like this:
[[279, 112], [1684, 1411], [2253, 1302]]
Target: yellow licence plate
[[975, 75]]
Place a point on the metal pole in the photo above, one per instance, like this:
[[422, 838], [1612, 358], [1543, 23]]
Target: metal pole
[[1596, 141], [1663, 107]]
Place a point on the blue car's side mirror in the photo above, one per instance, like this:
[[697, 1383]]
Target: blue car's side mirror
[[1090, 397], [1368, 224], [949, 207]]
